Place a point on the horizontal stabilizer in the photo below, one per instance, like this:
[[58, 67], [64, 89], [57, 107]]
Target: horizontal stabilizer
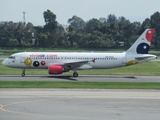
[[146, 58]]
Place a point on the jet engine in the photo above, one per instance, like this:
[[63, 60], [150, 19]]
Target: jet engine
[[52, 69]]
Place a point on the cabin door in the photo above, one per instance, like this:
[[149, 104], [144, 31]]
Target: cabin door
[[22, 58]]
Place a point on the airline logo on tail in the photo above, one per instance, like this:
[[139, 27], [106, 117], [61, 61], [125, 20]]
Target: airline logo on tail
[[142, 45], [143, 48]]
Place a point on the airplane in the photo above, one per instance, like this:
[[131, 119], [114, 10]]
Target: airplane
[[59, 62]]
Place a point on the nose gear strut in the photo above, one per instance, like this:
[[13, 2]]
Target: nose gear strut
[[23, 72]]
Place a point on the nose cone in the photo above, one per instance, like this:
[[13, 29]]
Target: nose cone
[[4, 62]]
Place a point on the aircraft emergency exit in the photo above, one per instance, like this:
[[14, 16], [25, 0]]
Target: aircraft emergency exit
[[59, 62]]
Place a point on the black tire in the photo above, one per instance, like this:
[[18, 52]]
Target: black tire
[[75, 74], [22, 74]]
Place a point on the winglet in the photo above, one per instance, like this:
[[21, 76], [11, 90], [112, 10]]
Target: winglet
[[142, 44]]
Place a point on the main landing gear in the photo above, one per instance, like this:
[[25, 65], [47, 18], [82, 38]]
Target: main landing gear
[[23, 72], [75, 74]]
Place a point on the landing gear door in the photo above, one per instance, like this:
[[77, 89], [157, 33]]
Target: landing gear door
[[22, 58]]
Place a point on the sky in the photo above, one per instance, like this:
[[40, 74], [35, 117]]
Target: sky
[[134, 10]]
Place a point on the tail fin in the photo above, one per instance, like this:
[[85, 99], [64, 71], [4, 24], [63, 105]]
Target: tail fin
[[142, 44]]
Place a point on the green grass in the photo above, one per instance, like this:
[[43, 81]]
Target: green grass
[[79, 85], [144, 69]]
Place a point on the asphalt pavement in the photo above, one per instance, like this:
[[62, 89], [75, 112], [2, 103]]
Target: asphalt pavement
[[79, 104]]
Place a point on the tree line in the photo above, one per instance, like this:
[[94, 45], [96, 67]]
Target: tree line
[[109, 32]]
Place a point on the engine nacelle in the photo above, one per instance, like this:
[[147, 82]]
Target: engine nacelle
[[52, 69]]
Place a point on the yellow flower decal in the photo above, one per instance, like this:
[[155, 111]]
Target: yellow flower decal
[[131, 62], [28, 61]]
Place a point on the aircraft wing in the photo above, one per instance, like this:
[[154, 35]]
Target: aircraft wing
[[74, 64]]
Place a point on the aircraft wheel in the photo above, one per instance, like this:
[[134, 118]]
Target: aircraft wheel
[[75, 74], [22, 74]]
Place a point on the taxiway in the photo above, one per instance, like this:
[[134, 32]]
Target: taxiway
[[79, 104], [81, 78]]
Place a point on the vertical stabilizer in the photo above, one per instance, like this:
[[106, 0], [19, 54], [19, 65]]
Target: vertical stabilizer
[[142, 44]]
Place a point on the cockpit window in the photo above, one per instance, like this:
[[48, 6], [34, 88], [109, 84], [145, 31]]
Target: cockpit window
[[11, 57]]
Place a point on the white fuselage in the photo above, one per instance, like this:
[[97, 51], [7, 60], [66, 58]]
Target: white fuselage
[[95, 60]]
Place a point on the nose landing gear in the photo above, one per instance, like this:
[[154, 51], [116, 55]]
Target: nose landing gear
[[23, 72]]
